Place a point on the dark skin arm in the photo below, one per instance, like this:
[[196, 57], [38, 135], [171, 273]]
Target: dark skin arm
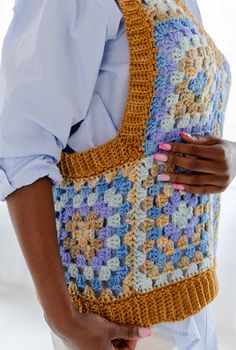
[[213, 161], [32, 213]]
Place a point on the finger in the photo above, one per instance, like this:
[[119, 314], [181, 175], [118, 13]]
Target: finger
[[125, 347], [131, 344], [205, 139], [200, 151], [129, 332], [192, 179], [199, 189], [194, 164]]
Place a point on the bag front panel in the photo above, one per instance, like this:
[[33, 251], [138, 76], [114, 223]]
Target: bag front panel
[[192, 80], [123, 231]]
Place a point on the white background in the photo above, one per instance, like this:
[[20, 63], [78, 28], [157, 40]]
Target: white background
[[21, 320]]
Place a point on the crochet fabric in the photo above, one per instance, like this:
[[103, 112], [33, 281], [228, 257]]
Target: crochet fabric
[[134, 250]]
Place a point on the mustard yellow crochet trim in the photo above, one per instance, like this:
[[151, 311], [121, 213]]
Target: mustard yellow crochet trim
[[127, 145], [171, 303], [184, 299]]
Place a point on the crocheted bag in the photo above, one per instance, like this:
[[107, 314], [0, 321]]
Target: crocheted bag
[[134, 250]]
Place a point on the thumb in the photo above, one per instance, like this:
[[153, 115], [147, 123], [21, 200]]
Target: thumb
[[130, 332], [199, 139]]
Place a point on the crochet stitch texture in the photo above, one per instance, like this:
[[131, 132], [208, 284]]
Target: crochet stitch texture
[[134, 250]]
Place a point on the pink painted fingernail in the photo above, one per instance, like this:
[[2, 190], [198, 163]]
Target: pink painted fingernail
[[163, 177], [144, 332], [194, 138], [161, 157], [184, 133], [178, 187], [165, 146]]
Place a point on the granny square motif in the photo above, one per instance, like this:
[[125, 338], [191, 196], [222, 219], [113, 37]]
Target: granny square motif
[[134, 250]]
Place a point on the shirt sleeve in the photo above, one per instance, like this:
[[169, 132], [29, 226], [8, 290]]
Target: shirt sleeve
[[51, 56]]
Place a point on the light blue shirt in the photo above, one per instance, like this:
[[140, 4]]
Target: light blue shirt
[[65, 62]]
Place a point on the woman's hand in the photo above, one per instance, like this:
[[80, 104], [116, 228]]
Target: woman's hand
[[86, 331], [212, 159]]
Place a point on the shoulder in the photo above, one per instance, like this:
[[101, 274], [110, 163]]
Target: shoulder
[[112, 12], [59, 10], [53, 19]]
